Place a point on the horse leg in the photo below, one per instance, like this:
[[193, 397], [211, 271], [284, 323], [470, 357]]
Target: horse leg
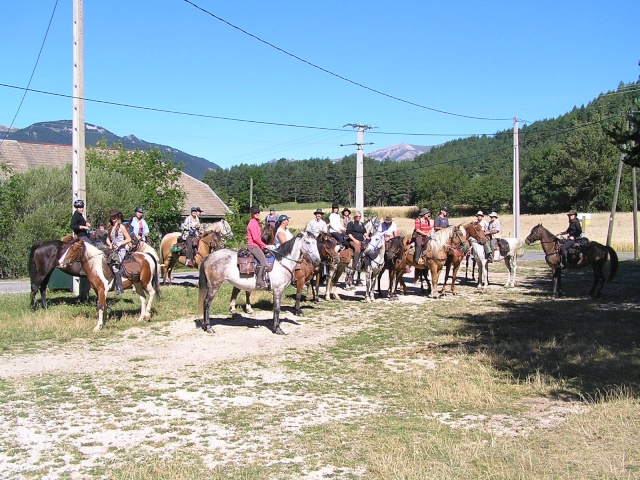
[[143, 302], [277, 300], [247, 304], [446, 277], [557, 282], [232, 304], [598, 280], [102, 306], [299, 287], [212, 290], [454, 276]]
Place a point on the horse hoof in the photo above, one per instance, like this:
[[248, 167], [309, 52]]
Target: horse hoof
[[147, 318], [279, 331], [209, 331], [299, 313], [233, 311], [251, 313]]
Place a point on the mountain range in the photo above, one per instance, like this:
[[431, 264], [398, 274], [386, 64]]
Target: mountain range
[[59, 132]]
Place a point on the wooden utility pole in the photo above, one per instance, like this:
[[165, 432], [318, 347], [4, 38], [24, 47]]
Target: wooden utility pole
[[78, 184], [516, 179], [359, 164]]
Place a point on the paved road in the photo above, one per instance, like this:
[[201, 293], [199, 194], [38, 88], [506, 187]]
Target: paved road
[[191, 278]]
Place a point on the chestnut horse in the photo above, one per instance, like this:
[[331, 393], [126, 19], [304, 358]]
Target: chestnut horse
[[212, 240], [143, 276], [394, 263], [594, 254], [456, 254]]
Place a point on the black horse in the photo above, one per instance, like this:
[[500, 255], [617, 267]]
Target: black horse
[[594, 254], [43, 259]]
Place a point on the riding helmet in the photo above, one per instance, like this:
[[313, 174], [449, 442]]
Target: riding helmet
[[335, 205], [78, 204], [139, 209], [282, 218], [254, 210], [572, 212]]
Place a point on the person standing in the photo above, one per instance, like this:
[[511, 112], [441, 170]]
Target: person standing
[[257, 247], [139, 226], [336, 229], [79, 224], [118, 239], [573, 231], [494, 230], [421, 232], [317, 225], [191, 228], [272, 218], [442, 220]]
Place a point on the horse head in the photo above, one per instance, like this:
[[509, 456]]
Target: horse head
[[309, 246], [394, 249], [535, 234], [474, 230], [371, 225], [74, 253], [225, 229], [327, 248], [376, 244]]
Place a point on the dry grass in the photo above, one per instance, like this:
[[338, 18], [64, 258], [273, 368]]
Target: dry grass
[[597, 230]]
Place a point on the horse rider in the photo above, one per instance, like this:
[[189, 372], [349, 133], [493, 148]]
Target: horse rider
[[336, 228], [283, 234], [442, 220], [421, 232], [345, 219], [494, 230], [78, 223], [573, 231], [191, 228], [317, 225], [257, 247], [356, 234], [388, 228], [139, 226], [118, 239], [483, 223], [272, 218]]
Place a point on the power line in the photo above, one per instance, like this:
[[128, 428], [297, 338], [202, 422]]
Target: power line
[[230, 119], [32, 74], [335, 74]]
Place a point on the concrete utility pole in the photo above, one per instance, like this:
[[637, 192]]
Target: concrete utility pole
[[516, 179], [359, 164], [77, 165]]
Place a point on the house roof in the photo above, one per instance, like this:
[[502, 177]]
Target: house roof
[[23, 156]]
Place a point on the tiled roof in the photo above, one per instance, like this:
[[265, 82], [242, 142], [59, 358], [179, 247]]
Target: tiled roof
[[22, 156]]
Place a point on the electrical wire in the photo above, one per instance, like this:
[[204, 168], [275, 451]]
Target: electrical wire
[[6, 135], [204, 10]]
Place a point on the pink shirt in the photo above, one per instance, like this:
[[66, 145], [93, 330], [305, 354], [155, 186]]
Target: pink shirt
[[253, 234], [424, 225]]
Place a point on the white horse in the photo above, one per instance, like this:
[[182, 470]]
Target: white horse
[[222, 266], [516, 250], [373, 263]]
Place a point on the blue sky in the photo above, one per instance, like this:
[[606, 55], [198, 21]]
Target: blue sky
[[494, 60]]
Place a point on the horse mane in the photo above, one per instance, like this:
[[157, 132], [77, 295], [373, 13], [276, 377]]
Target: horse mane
[[286, 248], [94, 255], [440, 238]]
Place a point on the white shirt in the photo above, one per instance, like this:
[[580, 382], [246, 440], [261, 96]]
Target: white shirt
[[495, 225], [316, 226], [335, 223], [390, 230], [288, 235]]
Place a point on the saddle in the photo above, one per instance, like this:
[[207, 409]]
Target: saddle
[[181, 244], [247, 263], [581, 242], [130, 268]]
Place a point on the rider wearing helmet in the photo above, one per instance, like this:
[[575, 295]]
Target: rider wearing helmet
[[139, 225], [78, 223]]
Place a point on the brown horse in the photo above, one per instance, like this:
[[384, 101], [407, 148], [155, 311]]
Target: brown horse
[[140, 272], [43, 259], [434, 255], [394, 263], [212, 240], [594, 254], [457, 253]]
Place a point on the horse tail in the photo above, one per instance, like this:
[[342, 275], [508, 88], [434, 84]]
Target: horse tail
[[614, 262], [156, 279], [33, 270], [202, 287], [519, 250]]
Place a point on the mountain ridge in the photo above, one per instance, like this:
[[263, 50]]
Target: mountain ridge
[[59, 132]]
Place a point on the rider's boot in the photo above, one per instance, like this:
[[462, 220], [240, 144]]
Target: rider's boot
[[487, 252], [356, 260], [118, 281], [260, 282], [563, 258]]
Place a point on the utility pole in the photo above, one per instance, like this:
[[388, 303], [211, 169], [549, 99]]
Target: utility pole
[[516, 179], [359, 164], [78, 184]]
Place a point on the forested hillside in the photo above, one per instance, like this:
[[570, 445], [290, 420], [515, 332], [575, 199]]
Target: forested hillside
[[566, 162]]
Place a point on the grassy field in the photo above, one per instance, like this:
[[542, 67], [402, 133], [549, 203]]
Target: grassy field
[[500, 384], [403, 216]]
